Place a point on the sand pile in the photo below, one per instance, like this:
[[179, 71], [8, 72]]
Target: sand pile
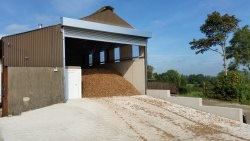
[[103, 82]]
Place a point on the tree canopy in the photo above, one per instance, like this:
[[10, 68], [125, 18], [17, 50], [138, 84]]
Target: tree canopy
[[150, 70], [240, 48], [216, 28], [170, 76]]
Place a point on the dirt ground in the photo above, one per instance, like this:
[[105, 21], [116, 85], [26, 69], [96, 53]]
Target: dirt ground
[[212, 102], [120, 118]]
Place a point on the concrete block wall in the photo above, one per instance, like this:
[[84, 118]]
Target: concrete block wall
[[231, 113], [126, 52], [186, 101], [33, 87], [196, 103], [162, 94], [133, 71]]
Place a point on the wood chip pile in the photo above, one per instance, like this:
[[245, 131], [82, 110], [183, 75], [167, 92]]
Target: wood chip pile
[[100, 82]]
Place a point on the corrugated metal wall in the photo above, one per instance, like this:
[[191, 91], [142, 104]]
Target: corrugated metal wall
[[38, 48], [1, 49]]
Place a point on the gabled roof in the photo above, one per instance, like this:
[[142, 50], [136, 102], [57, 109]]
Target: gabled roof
[[106, 15]]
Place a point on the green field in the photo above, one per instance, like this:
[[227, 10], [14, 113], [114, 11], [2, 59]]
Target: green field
[[193, 94]]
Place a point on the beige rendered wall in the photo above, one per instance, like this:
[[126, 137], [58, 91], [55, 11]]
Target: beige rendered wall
[[133, 71], [33, 87]]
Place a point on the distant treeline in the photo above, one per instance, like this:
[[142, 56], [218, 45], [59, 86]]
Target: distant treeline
[[234, 87]]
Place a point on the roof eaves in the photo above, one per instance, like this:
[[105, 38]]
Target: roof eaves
[[104, 27], [29, 31]]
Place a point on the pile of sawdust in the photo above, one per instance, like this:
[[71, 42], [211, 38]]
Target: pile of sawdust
[[99, 82]]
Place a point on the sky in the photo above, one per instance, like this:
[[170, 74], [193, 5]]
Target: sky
[[173, 23]]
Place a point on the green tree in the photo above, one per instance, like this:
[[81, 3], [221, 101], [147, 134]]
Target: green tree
[[229, 87], [196, 79], [217, 29], [150, 70], [240, 48], [183, 80], [171, 76]]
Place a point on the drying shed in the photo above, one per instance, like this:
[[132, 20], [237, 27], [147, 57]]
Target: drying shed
[[43, 66]]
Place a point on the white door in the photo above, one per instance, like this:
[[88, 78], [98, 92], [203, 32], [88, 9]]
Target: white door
[[73, 84]]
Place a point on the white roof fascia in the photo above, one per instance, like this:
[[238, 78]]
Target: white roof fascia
[[104, 27]]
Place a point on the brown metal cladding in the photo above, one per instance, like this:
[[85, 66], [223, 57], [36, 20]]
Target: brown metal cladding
[[37, 48], [1, 50], [106, 15]]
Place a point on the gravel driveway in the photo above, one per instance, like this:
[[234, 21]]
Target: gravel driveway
[[120, 118]]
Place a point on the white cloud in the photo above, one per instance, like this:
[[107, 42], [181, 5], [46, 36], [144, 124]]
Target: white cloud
[[16, 28], [1, 35], [73, 6]]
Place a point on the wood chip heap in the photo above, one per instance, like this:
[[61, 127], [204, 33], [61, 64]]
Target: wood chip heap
[[99, 82]]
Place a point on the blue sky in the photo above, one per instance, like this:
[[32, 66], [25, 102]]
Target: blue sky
[[174, 23]]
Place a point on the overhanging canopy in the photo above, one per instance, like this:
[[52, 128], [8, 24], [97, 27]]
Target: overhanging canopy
[[103, 32]]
